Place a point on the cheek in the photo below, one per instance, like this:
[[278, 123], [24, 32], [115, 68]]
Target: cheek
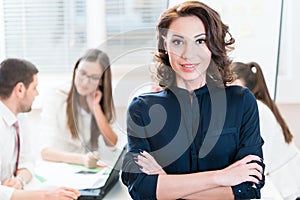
[[76, 82], [172, 58]]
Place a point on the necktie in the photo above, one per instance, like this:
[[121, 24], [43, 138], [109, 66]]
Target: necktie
[[16, 125]]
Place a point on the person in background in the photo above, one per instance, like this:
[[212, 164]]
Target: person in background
[[18, 89], [281, 156], [73, 120], [197, 138]]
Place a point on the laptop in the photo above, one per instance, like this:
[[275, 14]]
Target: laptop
[[113, 178]]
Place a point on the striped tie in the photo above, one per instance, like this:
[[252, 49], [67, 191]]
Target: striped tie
[[16, 125]]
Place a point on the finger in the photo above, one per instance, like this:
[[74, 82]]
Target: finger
[[252, 179], [17, 184], [255, 166], [92, 156], [97, 93], [151, 159], [146, 166], [149, 165], [147, 155], [142, 162], [70, 193], [9, 182], [250, 158], [256, 174], [5, 182]]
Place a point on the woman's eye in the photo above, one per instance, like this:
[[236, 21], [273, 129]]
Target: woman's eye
[[82, 73], [201, 41], [177, 42]]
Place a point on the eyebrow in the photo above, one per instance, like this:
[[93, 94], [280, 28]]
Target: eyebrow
[[194, 36], [83, 70], [200, 35]]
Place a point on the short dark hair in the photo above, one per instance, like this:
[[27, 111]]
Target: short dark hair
[[13, 71]]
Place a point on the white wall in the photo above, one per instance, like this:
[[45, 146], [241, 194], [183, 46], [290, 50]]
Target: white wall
[[289, 70]]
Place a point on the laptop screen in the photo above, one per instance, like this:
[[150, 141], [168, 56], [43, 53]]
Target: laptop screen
[[110, 182]]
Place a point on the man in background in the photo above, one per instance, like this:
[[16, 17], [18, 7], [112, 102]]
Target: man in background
[[18, 89]]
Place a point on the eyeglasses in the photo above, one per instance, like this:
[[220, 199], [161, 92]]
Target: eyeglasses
[[91, 78]]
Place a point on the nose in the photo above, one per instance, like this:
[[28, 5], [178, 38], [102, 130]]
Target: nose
[[189, 50], [85, 80]]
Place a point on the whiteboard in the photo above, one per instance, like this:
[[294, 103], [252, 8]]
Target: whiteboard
[[255, 25]]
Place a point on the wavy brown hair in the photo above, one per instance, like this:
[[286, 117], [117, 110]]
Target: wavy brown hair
[[219, 41], [106, 103], [251, 74]]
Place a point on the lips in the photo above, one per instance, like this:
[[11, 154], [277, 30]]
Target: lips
[[188, 67]]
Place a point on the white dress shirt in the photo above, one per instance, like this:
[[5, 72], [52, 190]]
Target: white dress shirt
[[54, 129], [8, 142], [282, 160]]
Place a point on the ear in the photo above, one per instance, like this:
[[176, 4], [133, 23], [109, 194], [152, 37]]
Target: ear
[[19, 90]]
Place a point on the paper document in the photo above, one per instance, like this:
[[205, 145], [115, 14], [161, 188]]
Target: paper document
[[78, 177]]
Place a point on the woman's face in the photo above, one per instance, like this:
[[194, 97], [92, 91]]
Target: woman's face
[[188, 52], [88, 75]]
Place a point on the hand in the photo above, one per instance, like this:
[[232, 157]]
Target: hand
[[148, 164], [62, 193], [93, 100], [13, 182], [241, 171], [91, 159]]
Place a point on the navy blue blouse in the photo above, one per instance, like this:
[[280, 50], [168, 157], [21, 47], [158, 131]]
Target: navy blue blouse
[[208, 130]]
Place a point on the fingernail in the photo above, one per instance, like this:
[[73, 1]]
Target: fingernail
[[141, 151]]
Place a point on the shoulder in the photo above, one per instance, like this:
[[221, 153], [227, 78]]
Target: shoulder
[[149, 98], [241, 99], [54, 99], [145, 101], [238, 90], [240, 93], [59, 93]]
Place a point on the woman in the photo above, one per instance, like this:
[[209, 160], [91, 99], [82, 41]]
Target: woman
[[74, 120], [281, 155], [204, 136]]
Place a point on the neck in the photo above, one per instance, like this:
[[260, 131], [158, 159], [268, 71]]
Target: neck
[[83, 103], [191, 86]]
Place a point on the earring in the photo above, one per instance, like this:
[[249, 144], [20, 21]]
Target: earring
[[166, 52]]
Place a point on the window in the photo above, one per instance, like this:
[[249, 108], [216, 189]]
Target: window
[[130, 29], [53, 34], [49, 33]]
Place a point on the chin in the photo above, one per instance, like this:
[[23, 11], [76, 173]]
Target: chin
[[26, 110], [82, 92]]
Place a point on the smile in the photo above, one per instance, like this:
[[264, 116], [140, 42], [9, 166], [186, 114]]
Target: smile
[[189, 67]]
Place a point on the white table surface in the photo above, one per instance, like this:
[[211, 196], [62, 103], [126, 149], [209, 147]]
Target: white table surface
[[118, 192]]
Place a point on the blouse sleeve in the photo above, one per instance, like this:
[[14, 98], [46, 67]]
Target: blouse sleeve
[[140, 185], [250, 142], [52, 117]]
